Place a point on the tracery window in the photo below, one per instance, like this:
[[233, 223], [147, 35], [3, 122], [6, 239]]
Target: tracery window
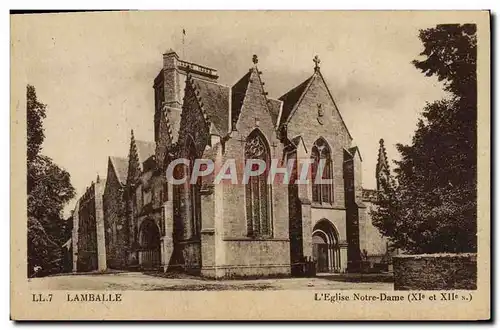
[[322, 192], [257, 191], [194, 192]]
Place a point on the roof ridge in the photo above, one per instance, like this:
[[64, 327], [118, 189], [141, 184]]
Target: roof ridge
[[305, 87], [296, 87], [334, 103], [211, 82]]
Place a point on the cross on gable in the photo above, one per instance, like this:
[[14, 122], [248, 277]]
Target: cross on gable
[[316, 61]]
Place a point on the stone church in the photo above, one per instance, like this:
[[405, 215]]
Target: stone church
[[246, 229]]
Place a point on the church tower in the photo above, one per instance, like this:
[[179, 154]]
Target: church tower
[[169, 87]]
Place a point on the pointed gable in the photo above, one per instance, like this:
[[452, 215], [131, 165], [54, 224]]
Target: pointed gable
[[172, 120], [214, 99], [293, 98], [298, 142], [134, 163], [355, 151], [169, 126], [120, 168], [249, 90]]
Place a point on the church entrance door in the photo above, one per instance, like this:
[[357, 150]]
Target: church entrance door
[[320, 253], [326, 251], [149, 254]]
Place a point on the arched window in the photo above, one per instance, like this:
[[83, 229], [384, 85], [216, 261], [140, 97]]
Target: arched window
[[322, 192], [194, 192], [257, 191]]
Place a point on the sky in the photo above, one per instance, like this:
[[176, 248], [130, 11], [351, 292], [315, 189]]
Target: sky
[[95, 72]]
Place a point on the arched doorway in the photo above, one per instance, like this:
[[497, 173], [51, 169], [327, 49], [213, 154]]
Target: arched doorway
[[149, 239], [326, 249]]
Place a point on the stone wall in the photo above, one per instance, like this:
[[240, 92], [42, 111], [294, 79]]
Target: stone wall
[[435, 272], [115, 222], [87, 232], [99, 218], [370, 238], [74, 236], [304, 122]]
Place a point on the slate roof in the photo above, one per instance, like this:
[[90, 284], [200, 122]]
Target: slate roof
[[291, 98], [238, 92], [120, 166], [145, 149], [215, 99], [275, 108]]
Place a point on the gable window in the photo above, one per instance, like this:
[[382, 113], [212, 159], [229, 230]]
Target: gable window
[[322, 192], [257, 191]]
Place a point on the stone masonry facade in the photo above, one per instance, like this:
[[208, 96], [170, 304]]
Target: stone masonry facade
[[226, 230]]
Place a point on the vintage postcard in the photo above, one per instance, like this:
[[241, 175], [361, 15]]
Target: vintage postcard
[[250, 165]]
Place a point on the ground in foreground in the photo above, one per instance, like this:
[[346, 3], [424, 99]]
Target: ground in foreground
[[152, 281]]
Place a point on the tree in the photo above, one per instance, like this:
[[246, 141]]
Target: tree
[[34, 117], [430, 204], [49, 189]]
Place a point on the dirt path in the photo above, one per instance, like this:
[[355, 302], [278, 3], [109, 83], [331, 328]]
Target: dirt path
[[140, 281]]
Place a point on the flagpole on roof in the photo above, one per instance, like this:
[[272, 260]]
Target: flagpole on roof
[[183, 35]]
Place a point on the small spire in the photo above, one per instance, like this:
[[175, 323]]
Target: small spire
[[255, 59], [382, 167], [98, 178], [316, 61]]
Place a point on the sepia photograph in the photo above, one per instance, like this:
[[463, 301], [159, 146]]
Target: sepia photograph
[[333, 155]]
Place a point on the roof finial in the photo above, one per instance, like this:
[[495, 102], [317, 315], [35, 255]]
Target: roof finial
[[316, 61], [255, 59], [381, 141]]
